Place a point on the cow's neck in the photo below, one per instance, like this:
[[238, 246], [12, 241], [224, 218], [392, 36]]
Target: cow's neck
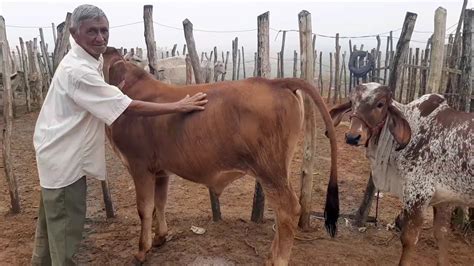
[[383, 159]]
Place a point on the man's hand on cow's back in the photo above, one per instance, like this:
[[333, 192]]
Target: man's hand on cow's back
[[192, 103], [185, 105]]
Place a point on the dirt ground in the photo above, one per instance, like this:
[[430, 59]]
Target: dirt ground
[[235, 240]]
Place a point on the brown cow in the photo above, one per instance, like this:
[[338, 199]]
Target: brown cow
[[248, 127], [421, 151]]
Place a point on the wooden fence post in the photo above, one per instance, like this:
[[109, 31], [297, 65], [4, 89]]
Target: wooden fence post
[[454, 58], [278, 65], [60, 49], [35, 75], [350, 73], [330, 77], [282, 57], [44, 51], [189, 70], [263, 70], [238, 64], [295, 64], [243, 63], [8, 119], [336, 70], [235, 45], [39, 67], [467, 63], [320, 76], [386, 62], [26, 71], [343, 74], [188, 34], [307, 72], [225, 65], [437, 52], [150, 39], [396, 68]]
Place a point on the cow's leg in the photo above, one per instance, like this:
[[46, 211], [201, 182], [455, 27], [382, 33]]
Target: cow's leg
[[161, 194], [145, 189], [287, 208], [441, 223], [413, 220]]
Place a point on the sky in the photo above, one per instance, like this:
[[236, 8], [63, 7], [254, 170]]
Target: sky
[[217, 23]]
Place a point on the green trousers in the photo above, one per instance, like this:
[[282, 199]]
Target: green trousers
[[60, 224]]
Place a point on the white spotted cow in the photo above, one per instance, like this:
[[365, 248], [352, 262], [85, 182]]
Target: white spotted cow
[[422, 151]]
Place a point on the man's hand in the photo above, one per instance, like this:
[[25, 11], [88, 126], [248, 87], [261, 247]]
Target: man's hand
[[192, 103]]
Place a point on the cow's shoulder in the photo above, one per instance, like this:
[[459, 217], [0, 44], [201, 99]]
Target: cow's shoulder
[[428, 103]]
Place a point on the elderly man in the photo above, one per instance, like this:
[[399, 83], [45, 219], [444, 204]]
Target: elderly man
[[69, 135]]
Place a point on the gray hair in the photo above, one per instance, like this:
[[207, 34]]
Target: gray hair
[[84, 12]]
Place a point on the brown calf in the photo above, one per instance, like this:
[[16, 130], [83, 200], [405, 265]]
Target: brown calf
[[248, 127]]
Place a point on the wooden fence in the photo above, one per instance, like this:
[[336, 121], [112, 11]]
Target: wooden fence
[[410, 72]]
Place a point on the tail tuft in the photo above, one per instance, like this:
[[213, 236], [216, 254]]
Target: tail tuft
[[331, 211]]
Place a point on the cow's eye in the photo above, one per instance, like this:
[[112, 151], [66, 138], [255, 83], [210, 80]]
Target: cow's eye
[[380, 104]]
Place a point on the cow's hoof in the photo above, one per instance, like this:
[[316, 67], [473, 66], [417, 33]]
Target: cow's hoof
[[138, 260], [159, 241]]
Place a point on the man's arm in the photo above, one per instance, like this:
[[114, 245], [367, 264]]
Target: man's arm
[[187, 104]]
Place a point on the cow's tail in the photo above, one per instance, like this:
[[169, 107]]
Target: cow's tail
[[331, 211]]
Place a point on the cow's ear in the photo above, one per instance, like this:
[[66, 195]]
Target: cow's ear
[[117, 73], [399, 127], [338, 112]]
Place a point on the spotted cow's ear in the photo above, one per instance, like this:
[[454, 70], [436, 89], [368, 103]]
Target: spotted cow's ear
[[399, 127], [338, 112]]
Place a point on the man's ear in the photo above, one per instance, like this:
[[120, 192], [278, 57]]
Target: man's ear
[[338, 112], [399, 127]]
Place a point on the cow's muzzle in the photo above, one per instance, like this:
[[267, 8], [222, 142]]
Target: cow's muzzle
[[352, 139]]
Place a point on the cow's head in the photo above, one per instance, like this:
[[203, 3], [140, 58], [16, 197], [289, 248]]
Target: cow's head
[[369, 108], [114, 66], [219, 68]]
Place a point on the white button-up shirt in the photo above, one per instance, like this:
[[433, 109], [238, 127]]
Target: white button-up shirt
[[69, 136]]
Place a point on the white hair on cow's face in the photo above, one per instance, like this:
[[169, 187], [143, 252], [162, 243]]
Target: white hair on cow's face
[[369, 91], [84, 12]]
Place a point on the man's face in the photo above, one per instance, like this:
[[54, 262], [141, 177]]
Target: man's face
[[93, 35]]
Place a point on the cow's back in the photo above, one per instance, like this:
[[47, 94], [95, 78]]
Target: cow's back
[[440, 153], [246, 124]]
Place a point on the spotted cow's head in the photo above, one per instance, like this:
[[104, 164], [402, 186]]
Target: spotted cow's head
[[369, 108]]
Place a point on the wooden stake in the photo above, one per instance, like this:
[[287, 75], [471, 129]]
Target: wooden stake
[[330, 77], [44, 51], [467, 63], [243, 63], [8, 119], [150, 39], [282, 52], [235, 45], [238, 64], [189, 70], [396, 68], [188, 34], [437, 52], [263, 70], [336, 72], [295, 64], [225, 65], [62, 42], [27, 75], [173, 52], [320, 77]]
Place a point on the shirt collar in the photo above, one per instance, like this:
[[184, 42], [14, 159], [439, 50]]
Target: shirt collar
[[78, 50]]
